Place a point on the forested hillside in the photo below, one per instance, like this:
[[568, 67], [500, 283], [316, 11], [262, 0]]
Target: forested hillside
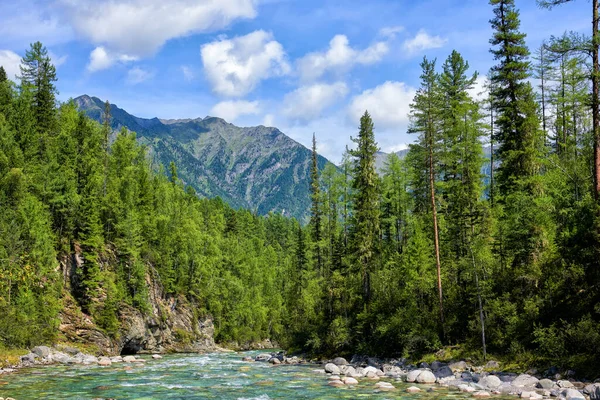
[[257, 168], [425, 255]]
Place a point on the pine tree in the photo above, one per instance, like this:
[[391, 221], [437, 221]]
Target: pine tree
[[316, 212], [366, 228], [425, 120], [517, 121], [38, 75]]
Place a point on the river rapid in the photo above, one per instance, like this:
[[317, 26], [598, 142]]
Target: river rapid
[[193, 376]]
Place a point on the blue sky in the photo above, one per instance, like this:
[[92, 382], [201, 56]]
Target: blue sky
[[303, 66]]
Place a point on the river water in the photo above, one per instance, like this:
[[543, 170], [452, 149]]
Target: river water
[[192, 376]]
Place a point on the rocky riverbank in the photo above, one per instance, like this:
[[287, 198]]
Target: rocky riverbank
[[480, 381]]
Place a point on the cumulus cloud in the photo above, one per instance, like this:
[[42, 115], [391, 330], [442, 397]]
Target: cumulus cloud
[[307, 102], [479, 89], [140, 27], [101, 59], [57, 60], [232, 109], [138, 75], [423, 41], [338, 58], [11, 62], [236, 66], [388, 104]]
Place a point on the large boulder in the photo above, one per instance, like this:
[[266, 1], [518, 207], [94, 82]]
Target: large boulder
[[263, 357], [339, 361], [565, 384], [443, 372], [104, 362], [593, 391], [458, 366], [331, 368], [426, 377], [546, 384], [490, 382], [41, 351], [525, 380], [572, 394], [412, 375], [129, 359]]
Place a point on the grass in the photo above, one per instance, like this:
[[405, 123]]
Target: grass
[[11, 357]]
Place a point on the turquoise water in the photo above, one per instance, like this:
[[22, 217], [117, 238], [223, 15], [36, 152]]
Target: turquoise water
[[191, 376]]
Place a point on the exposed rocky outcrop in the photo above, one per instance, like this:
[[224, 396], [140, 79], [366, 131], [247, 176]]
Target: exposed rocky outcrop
[[170, 325]]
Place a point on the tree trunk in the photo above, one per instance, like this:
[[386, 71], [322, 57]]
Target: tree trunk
[[435, 235]]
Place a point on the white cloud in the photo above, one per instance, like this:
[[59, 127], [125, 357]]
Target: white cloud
[[140, 27], [231, 110], [269, 120], [236, 66], [307, 102], [479, 89], [11, 62], [57, 60], [188, 74], [390, 32], [388, 104], [423, 41], [138, 75], [100, 59], [339, 57]]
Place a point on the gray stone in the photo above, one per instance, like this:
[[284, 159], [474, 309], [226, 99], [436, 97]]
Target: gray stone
[[546, 384], [28, 358], [443, 372], [481, 394], [156, 356], [348, 370], [424, 365], [350, 381], [426, 377], [263, 357], [413, 389], [104, 362], [525, 380], [437, 365], [384, 386], [274, 361], [412, 375], [116, 359], [41, 351], [572, 394], [339, 361], [458, 366], [490, 382], [129, 359], [332, 369], [565, 384], [336, 383], [593, 391]]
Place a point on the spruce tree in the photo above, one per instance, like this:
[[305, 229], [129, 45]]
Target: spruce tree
[[315, 210], [425, 120], [366, 228], [517, 123], [38, 75]]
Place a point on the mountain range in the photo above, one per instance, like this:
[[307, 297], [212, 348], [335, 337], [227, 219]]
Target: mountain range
[[258, 168]]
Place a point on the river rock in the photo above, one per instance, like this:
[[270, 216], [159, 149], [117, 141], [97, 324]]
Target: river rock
[[263, 357], [247, 359], [424, 365], [593, 391], [28, 358], [466, 388], [458, 366], [572, 394], [443, 372], [530, 395], [156, 356], [525, 380], [413, 389], [482, 394], [384, 386], [274, 361], [426, 377], [139, 360], [350, 381], [116, 359], [336, 383], [436, 365], [339, 361], [546, 384], [565, 384], [332, 369], [104, 362], [41, 351], [490, 382], [129, 359]]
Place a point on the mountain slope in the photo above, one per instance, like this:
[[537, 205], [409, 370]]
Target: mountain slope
[[258, 168]]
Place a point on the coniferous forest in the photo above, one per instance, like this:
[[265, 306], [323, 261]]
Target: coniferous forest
[[484, 237]]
